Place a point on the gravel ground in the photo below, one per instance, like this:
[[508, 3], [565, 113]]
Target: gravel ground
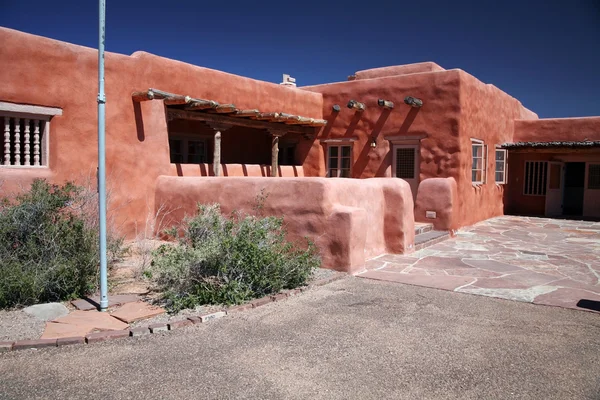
[[352, 339], [16, 325]]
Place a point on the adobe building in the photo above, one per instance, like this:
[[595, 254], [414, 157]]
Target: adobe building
[[417, 142]]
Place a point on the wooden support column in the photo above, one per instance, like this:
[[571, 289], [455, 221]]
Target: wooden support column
[[218, 128], [276, 134]]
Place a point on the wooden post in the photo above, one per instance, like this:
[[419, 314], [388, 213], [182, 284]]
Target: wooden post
[[274, 156], [276, 134], [36, 142], [218, 128], [217, 154]]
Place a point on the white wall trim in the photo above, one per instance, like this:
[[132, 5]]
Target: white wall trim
[[28, 109]]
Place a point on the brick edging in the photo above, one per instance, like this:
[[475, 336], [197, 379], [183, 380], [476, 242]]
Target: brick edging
[[97, 337]]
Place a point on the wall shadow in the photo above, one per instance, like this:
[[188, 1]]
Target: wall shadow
[[139, 120], [410, 117], [363, 159]]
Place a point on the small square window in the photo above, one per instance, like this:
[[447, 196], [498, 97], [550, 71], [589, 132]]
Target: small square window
[[594, 176], [339, 161], [187, 150]]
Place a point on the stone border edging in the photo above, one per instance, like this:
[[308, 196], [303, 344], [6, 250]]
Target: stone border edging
[[102, 336]]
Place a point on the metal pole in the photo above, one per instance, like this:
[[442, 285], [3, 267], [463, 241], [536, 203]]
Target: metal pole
[[102, 160]]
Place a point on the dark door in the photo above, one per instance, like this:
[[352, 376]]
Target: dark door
[[574, 187]]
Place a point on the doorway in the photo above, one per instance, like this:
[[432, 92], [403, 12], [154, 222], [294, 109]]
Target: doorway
[[406, 165], [574, 188]]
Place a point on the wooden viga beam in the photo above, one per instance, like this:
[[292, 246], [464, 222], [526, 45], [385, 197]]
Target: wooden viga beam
[[356, 105], [225, 108], [266, 116], [385, 104], [200, 104], [155, 94], [245, 113]]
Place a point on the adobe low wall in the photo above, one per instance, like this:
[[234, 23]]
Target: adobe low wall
[[255, 170], [439, 195], [349, 220]]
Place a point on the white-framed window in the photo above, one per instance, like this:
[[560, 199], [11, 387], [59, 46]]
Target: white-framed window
[[594, 176], [501, 156], [25, 135], [536, 178], [478, 161], [186, 149], [339, 161]]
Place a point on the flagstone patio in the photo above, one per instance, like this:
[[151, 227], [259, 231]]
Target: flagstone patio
[[544, 261]]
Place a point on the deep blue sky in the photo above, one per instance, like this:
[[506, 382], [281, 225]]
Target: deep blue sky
[[545, 53]]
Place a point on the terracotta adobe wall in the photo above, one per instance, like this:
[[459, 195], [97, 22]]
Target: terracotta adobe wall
[[398, 70], [349, 220], [437, 119], [457, 107], [487, 114], [557, 129], [41, 71]]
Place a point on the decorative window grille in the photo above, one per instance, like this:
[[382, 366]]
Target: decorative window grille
[[339, 161], [501, 166], [594, 176], [536, 176], [405, 162], [25, 132], [188, 150], [478, 161]]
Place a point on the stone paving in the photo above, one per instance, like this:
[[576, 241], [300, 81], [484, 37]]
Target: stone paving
[[544, 261]]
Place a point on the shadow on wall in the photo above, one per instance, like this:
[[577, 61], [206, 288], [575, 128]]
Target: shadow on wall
[[139, 120], [363, 159]]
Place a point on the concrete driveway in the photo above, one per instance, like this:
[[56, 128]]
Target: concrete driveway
[[544, 261], [353, 339]]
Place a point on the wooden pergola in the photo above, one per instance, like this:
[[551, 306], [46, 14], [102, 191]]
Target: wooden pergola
[[221, 117]]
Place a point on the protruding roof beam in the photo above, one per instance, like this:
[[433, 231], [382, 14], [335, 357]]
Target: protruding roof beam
[[245, 113], [356, 105], [198, 104], [267, 116], [225, 108], [413, 101], [385, 104]]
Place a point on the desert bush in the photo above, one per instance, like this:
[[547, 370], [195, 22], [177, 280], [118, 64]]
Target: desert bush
[[49, 245], [220, 260]]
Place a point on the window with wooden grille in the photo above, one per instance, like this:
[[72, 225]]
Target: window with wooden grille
[[500, 166], [405, 162], [25, 133], [594, 176], [536, 175], [339, 161], [478, 161], [188, 150]]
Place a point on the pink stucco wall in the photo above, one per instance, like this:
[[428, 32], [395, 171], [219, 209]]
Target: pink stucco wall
[[41, 71], [557, 129], [349, 220], [395, 70]]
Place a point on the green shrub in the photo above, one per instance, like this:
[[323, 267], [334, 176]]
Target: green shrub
[[229, 261], [48, 245]]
